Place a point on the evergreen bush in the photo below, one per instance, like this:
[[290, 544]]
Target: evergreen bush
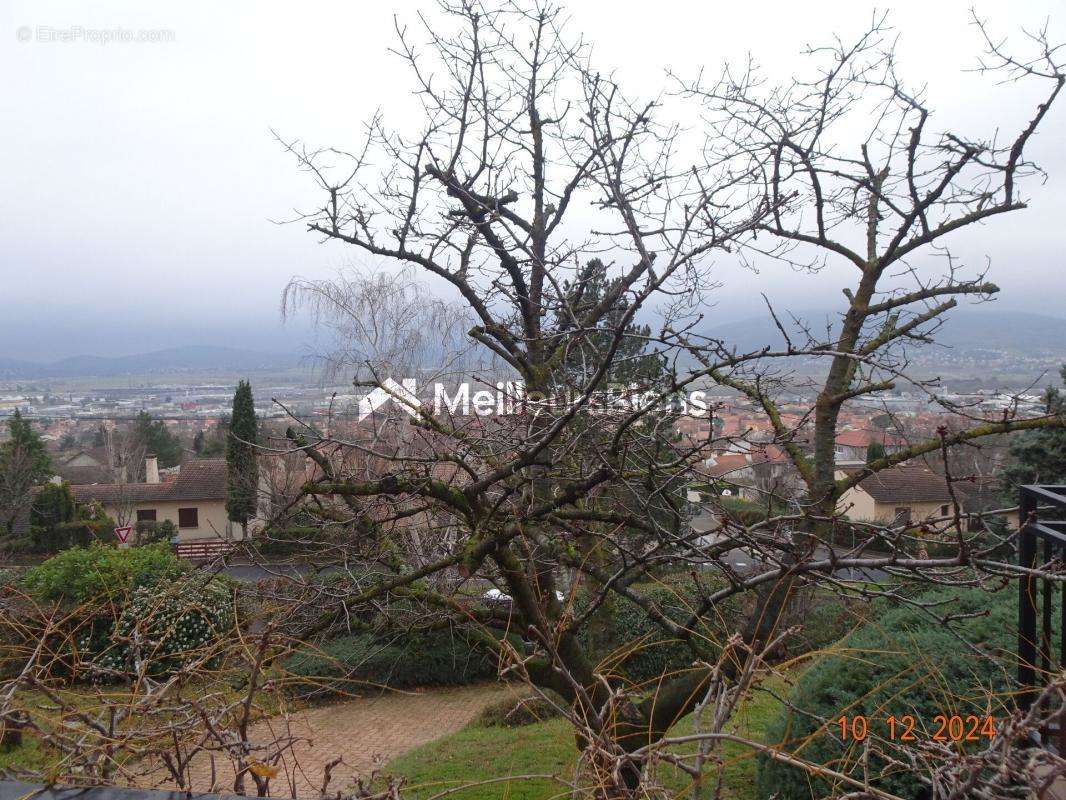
[[903, 663], [163, 629], [426, 658]]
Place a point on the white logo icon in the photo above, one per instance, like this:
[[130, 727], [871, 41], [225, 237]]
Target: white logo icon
[[403, 393]]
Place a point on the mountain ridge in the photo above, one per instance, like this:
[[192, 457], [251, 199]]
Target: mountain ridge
[[964, 331], [170, 359]]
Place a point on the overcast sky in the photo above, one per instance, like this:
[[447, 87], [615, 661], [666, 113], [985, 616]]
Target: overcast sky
[[139, 180]]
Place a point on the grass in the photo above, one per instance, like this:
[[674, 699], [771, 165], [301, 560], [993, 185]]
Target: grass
[[480, 753], [27, 756], [32, 756], [750, 720]]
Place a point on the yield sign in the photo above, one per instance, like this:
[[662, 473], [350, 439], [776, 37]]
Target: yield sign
[[123, 533]]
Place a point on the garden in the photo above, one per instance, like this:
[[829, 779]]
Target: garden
[[106, 625]]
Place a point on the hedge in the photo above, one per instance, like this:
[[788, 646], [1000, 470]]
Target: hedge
[[517, 712], [84, 574], [638, 648], [903, 663], [424, 658], [641, 651], [152, 532]]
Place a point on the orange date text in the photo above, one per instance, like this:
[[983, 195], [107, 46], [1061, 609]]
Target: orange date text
[[908, 728]]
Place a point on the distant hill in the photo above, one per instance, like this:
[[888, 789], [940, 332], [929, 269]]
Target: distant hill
[[203, 358], [966, 332], [984, 335]]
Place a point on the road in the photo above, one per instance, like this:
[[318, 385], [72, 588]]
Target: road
[[743, 561], [250, 573], [740, 559]]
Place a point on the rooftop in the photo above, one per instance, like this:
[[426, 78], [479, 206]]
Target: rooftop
[[914, 483], [198, 480]]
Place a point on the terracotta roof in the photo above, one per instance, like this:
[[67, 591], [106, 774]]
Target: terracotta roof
[[198, 480], [767, 454], [727, 464], [859, 438], [84, 475], [97, 454], [913, 483]]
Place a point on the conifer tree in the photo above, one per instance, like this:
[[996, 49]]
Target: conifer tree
[[27, 443], [242, 467], [24, 463]]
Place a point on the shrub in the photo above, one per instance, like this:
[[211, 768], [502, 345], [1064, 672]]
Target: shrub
[[429, 658], [639, 649], [173, 626], [53, 505], [903, 663], [517, 712], [149, 532], [56, 523], [8, 579], [823, 618], [12, 628], [118, 591], [93, 573]]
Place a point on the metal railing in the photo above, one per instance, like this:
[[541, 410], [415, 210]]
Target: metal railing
[[1042, 518]]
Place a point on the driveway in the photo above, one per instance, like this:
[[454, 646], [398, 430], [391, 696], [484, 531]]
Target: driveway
[[366, 734]]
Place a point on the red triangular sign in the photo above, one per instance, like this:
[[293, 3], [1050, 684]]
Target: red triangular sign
[[123, 533]]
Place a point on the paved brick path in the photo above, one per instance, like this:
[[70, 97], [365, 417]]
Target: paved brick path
[[366, 733]]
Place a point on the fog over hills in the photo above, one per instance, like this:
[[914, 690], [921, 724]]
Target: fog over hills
[[174, 359], [964, 332], [967, 333]]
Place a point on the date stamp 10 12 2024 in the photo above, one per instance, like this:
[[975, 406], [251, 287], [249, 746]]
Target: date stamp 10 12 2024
[[907, 728]]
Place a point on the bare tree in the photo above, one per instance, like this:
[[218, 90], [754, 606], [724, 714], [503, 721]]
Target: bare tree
[[559, 213], [530, 167], [126, 454], [385, 323], [853, 172]]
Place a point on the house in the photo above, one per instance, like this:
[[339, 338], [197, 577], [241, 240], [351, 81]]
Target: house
[[86, 466], [762, 470], [730, 472], [850, 446], [901, 495], [194, 500]]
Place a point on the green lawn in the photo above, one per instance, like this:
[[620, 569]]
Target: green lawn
[[28, 756], [34, 757], [480, 753]]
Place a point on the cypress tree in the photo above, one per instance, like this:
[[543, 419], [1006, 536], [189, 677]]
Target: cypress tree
[[874, 451], [241, 465]]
